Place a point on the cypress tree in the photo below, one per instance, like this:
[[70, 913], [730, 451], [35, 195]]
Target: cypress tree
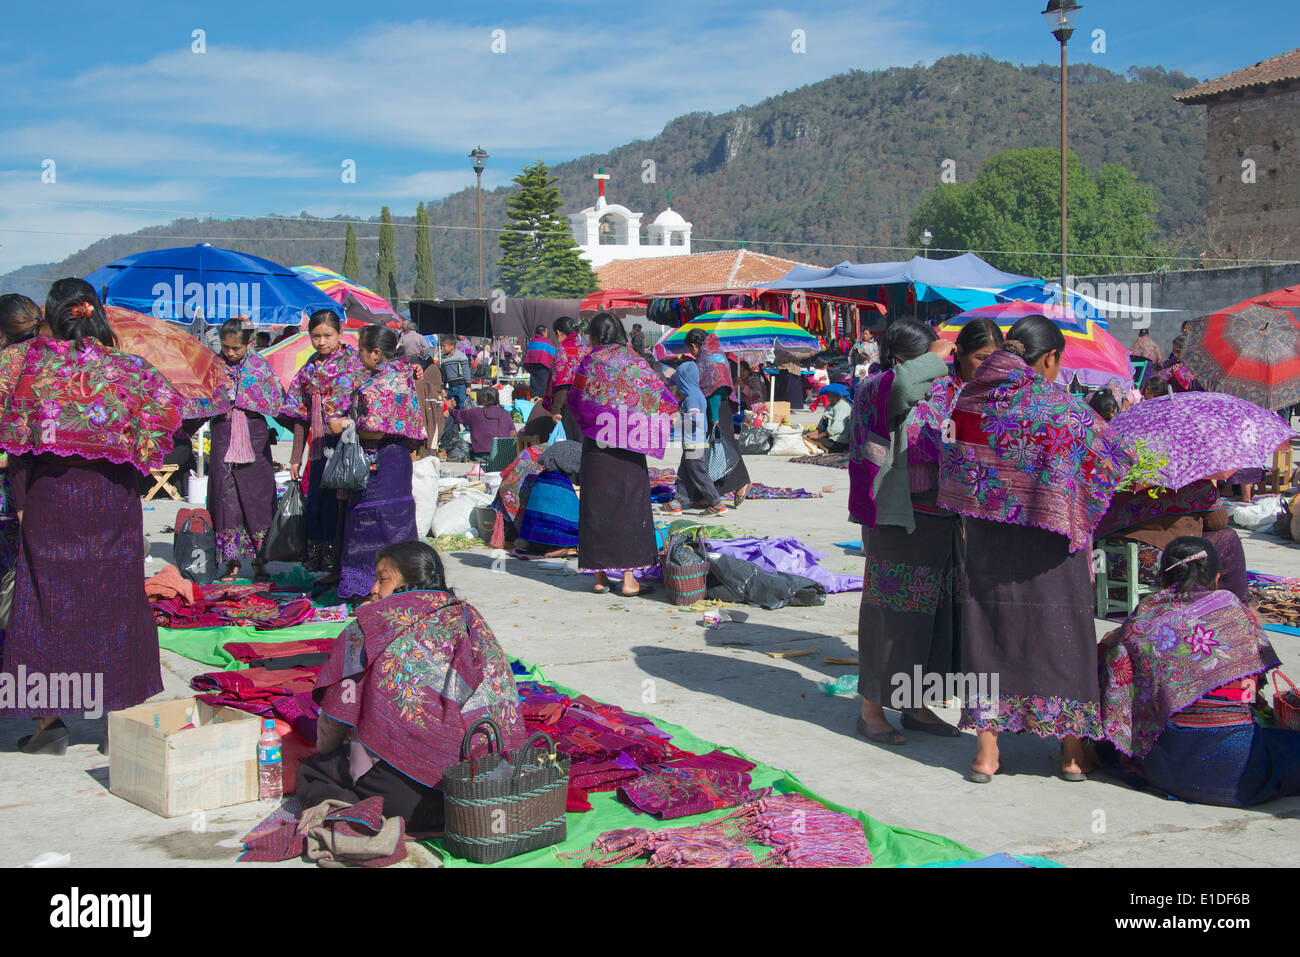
[[351, 263], [423, 255], [539, 257], [386, 270]]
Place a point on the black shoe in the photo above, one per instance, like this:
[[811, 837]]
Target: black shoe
[[53, 740], [938, 728]]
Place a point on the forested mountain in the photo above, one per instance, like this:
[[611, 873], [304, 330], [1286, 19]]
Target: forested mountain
[[808, 175]]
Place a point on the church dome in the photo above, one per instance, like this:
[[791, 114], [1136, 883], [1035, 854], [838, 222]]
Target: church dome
[[669, 218]]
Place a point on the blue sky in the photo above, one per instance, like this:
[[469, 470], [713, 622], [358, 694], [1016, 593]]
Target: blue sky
[[142, 129]]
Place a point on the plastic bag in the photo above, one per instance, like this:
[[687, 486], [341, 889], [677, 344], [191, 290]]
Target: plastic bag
[[7, 595], [457, 516], [348, 468], [1259, 514], [425, 475], [194, 546], [734, 579], [722, 456], [787, 440], [754, 440], [286, 539]]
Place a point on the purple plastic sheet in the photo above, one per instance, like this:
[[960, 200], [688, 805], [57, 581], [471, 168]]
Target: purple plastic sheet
[[786, 555]]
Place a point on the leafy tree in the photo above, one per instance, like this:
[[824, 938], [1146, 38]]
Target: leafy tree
[[1012, 214], [351, 264], [539, 257], [423, 255], [386, 270]]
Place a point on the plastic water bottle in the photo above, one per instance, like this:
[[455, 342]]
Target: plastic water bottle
[[270, 771]]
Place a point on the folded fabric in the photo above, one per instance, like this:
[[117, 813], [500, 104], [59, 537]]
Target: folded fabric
[[247, 651], [257, 685], [170, 583], [674, 792], [333, 834]]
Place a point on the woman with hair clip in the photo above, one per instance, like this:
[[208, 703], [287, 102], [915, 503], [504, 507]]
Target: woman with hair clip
[[321, 390], [1179, 681], [241, 489], [624, 411], [568, 354], [81, 421], [1033, 469], [386, 413], [402, 684], [907, 618]]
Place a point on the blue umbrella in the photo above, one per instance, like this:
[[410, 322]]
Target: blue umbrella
[[179, 284]]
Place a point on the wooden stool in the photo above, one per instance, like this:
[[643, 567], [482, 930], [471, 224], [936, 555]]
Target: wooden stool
[[161, 476], [1279, 478], [1129, 588]]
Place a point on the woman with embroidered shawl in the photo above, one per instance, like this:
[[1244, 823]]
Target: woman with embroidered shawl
[[1179, 680], [81, 422], [241, 487], [623, 410], [568, 355], [1033, 469], [390, 426], [907, 617], [402, 685], [718, 389], [321, 390]]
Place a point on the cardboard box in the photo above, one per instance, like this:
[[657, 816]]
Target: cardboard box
[[155, 764], [781, 413]]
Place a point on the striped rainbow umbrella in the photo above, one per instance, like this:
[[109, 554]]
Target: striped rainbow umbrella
[[287, 357], [339, 288], [1091, 353], [742, 330]]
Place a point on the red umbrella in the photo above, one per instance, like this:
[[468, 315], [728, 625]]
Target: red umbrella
[[190, 366], [1250, 350]]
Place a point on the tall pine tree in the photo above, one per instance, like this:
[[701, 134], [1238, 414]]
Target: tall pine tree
[[386, 270], [539, 257], [351, 263], [423, 255]]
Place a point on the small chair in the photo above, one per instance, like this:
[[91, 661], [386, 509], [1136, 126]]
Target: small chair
[[503, 452], [162, 476], [1278, 479], [1130, 589]]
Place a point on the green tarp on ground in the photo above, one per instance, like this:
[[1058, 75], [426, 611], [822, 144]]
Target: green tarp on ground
[[205, 644]]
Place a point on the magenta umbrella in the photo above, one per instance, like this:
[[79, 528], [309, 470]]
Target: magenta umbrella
[[1201, 434]]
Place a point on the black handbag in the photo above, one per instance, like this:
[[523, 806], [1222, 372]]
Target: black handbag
[[286, 539], [722, 455], [194, 547], [347, 468]]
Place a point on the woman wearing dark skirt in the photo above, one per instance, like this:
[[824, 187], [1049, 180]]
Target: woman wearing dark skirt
[[320, 391], [390, 426], [717, 385], [625, 412], [241, 488], [81, 422], [908, 615], [1033, 469]]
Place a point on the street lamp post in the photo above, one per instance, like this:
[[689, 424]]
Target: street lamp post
[[1061, 16], [927, 238], [478, 156]]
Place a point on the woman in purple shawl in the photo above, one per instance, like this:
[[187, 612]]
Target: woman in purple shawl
[[625, 412], [1033, 470], [241, 487], [390, 426], [1179, 681], [402, 685]]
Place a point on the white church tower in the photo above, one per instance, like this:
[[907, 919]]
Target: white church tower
[[608, 231]]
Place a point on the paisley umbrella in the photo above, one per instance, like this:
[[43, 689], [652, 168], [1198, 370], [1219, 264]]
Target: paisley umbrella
[[1251, 350], [742, 330], [1203, 433], [290, 355], [191, 367]]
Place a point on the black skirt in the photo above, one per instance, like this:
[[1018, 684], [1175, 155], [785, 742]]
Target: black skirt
[[615, 524], [738, 477]]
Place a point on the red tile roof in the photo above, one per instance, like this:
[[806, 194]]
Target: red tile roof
[[698, 271], [1278, 69]]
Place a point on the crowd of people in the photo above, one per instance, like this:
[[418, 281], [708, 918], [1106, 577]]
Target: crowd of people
[[979, 484]]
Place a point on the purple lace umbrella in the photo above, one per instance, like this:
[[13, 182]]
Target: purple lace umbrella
[[1203, 433]]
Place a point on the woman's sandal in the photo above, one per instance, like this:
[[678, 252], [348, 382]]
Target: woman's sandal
[[979, 777], [939, 729], [890, 737], [639, 593], [52, 740]]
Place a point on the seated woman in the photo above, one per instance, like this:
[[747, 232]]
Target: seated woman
[[486, 422], [1104, 403], [402, 685], [832, 431], [1178, 682]]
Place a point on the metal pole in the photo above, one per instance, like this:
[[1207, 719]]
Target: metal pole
[[479, 193], [1065, 82]]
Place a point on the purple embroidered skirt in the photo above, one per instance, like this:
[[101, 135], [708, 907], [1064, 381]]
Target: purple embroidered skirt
[[241, 498]]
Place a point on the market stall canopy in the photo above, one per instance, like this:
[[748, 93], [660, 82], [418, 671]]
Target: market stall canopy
[[489, 318], [182, 283]]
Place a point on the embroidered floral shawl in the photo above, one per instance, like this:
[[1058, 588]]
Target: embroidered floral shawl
[[715, 370], [510, 496], [573, 349], [1027, 453], [386, 402], [619, 401], [334, 378], [925, 425], [1137, 508], [95, 402], [250, 384], [1171, 651], [412, 674], [870, 444]]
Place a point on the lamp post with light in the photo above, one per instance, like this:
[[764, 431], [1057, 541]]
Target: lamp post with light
[[1061, 16], [927, 238], [478, 156]]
